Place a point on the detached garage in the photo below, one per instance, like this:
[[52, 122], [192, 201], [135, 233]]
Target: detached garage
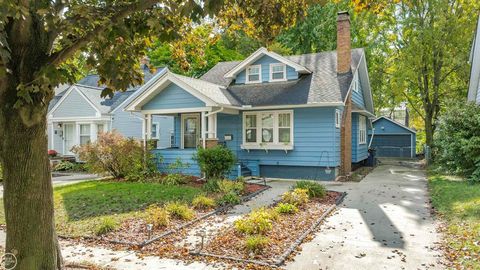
[[392, 139]]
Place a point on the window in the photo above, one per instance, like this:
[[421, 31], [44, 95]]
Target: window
[[155, 130], [84, 134], [355, 83], [338, 118], [254, 74], [268, 130], [362, 130], [277, 72]]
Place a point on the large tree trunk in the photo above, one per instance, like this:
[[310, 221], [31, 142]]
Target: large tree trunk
[[28, 194], [429, 129]]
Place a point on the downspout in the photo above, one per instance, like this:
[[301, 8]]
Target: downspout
[[373, 134], [214, 112]]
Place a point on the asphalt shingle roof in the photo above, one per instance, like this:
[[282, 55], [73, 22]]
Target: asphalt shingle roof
[[322, 85]]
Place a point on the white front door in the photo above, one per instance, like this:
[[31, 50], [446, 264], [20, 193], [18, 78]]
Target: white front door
[[68, 138]]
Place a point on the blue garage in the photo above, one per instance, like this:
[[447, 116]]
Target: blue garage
[[392, 139]]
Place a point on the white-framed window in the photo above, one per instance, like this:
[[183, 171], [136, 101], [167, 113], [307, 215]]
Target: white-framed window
[[84, 134], [155, 130], [355, 83], [278, 72], [362, 130], [268, 130], [254, 74], [338, 118]]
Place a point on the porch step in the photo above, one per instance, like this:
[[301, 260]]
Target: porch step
[[245, 171]]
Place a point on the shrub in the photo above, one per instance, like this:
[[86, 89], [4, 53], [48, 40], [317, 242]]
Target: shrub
[[286, 208], [52, 153], [174, 179], [226, 186], [297, 197], [157, 216], [121, 157], [315, 190], [230, 198], [257, 222], [215, 162], [106, 225], [180, 211], [211, 186], [457, 141], [256, 243], [203, 202]]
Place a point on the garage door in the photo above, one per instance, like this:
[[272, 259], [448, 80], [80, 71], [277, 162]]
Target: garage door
[[392, 145]]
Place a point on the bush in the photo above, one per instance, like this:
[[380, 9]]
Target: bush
[[107, 225], [286, 208], [230, 198], [174, 179], [257, 222], [315, 190], [256, 243], [226, 186], [297, 197], [65, 165], [157, 216], [180, 211], [211, 186], [457, 141], [121, 157], [203, 202], [215, 162]]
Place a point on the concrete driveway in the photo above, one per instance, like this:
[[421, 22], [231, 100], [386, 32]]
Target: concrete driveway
[[383, 223]]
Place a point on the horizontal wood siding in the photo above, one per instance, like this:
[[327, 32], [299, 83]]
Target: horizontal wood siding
[[359, 151], [357, 96], [392, 139], [173, 97], [128, 124], [265, 61], [75, 105], [167, 157], [383, 126]]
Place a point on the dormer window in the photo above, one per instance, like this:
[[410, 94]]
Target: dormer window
[[254, 74], [278, 72]]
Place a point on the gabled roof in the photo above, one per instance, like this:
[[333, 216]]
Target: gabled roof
[[322, 86], [257, 55], [396, 123], [473, 86]]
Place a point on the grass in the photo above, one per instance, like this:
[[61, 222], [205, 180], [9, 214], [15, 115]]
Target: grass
[[80, 208], [458, 203]]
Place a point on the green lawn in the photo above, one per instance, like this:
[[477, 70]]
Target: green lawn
[[459, 204], [79, 208]]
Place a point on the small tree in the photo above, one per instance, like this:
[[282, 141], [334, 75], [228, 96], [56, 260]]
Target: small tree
[[215, 162], [114, 154], [458, 141]]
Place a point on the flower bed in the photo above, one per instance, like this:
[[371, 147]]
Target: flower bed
[[274, 244]]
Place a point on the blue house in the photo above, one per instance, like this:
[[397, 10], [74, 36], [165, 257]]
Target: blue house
[[298, 117], [474, 84], [393, 139], [78, 113]]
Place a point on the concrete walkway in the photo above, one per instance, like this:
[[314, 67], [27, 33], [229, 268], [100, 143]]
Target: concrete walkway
[[384, 223]]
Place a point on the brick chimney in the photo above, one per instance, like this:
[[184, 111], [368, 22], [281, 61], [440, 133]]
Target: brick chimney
[[344, 55]]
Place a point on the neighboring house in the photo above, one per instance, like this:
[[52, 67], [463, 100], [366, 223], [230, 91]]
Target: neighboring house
[[299, 117], [77, 114], [474, 84], [392, 139], [399, 114]]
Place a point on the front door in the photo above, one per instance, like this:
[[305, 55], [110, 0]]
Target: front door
[[68, 138], [191, 130]]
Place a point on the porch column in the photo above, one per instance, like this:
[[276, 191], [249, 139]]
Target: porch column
[[144, 131], [212, 126], [203, 128], [93, 132], [149, 126]]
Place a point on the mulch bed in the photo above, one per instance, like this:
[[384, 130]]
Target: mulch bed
[[284, 233]]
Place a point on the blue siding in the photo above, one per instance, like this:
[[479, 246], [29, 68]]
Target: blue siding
[[383, 126], [359, 151], [74, 105], [173, 97], [169, 156], [265, 61], [357, 96], [393, 140]]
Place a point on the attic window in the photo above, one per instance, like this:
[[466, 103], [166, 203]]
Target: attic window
[[355, 83], [254, 74], [278, 72]]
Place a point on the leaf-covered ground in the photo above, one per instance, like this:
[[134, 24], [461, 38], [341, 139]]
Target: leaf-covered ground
[[80, 208], [458, 203]]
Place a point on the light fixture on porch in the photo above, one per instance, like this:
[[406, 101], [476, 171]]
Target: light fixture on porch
[[59, 125]]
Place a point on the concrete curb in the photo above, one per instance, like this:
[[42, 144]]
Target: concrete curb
[[278, 262]]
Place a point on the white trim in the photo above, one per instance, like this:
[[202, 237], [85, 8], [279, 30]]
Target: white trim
[[365, 112], [272, 65], [396, 123], [257, 55], [247, 74], [338, 118], [276, 144], [362, 121], [174, 111], [365, 86], [355, 82], [182, 123], [80, 118], [157, 130], [286, 106], [153, 90], [62, 99]]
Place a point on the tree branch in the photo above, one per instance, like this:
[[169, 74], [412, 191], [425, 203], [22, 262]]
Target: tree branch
[[413, 105], [58, 57]]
